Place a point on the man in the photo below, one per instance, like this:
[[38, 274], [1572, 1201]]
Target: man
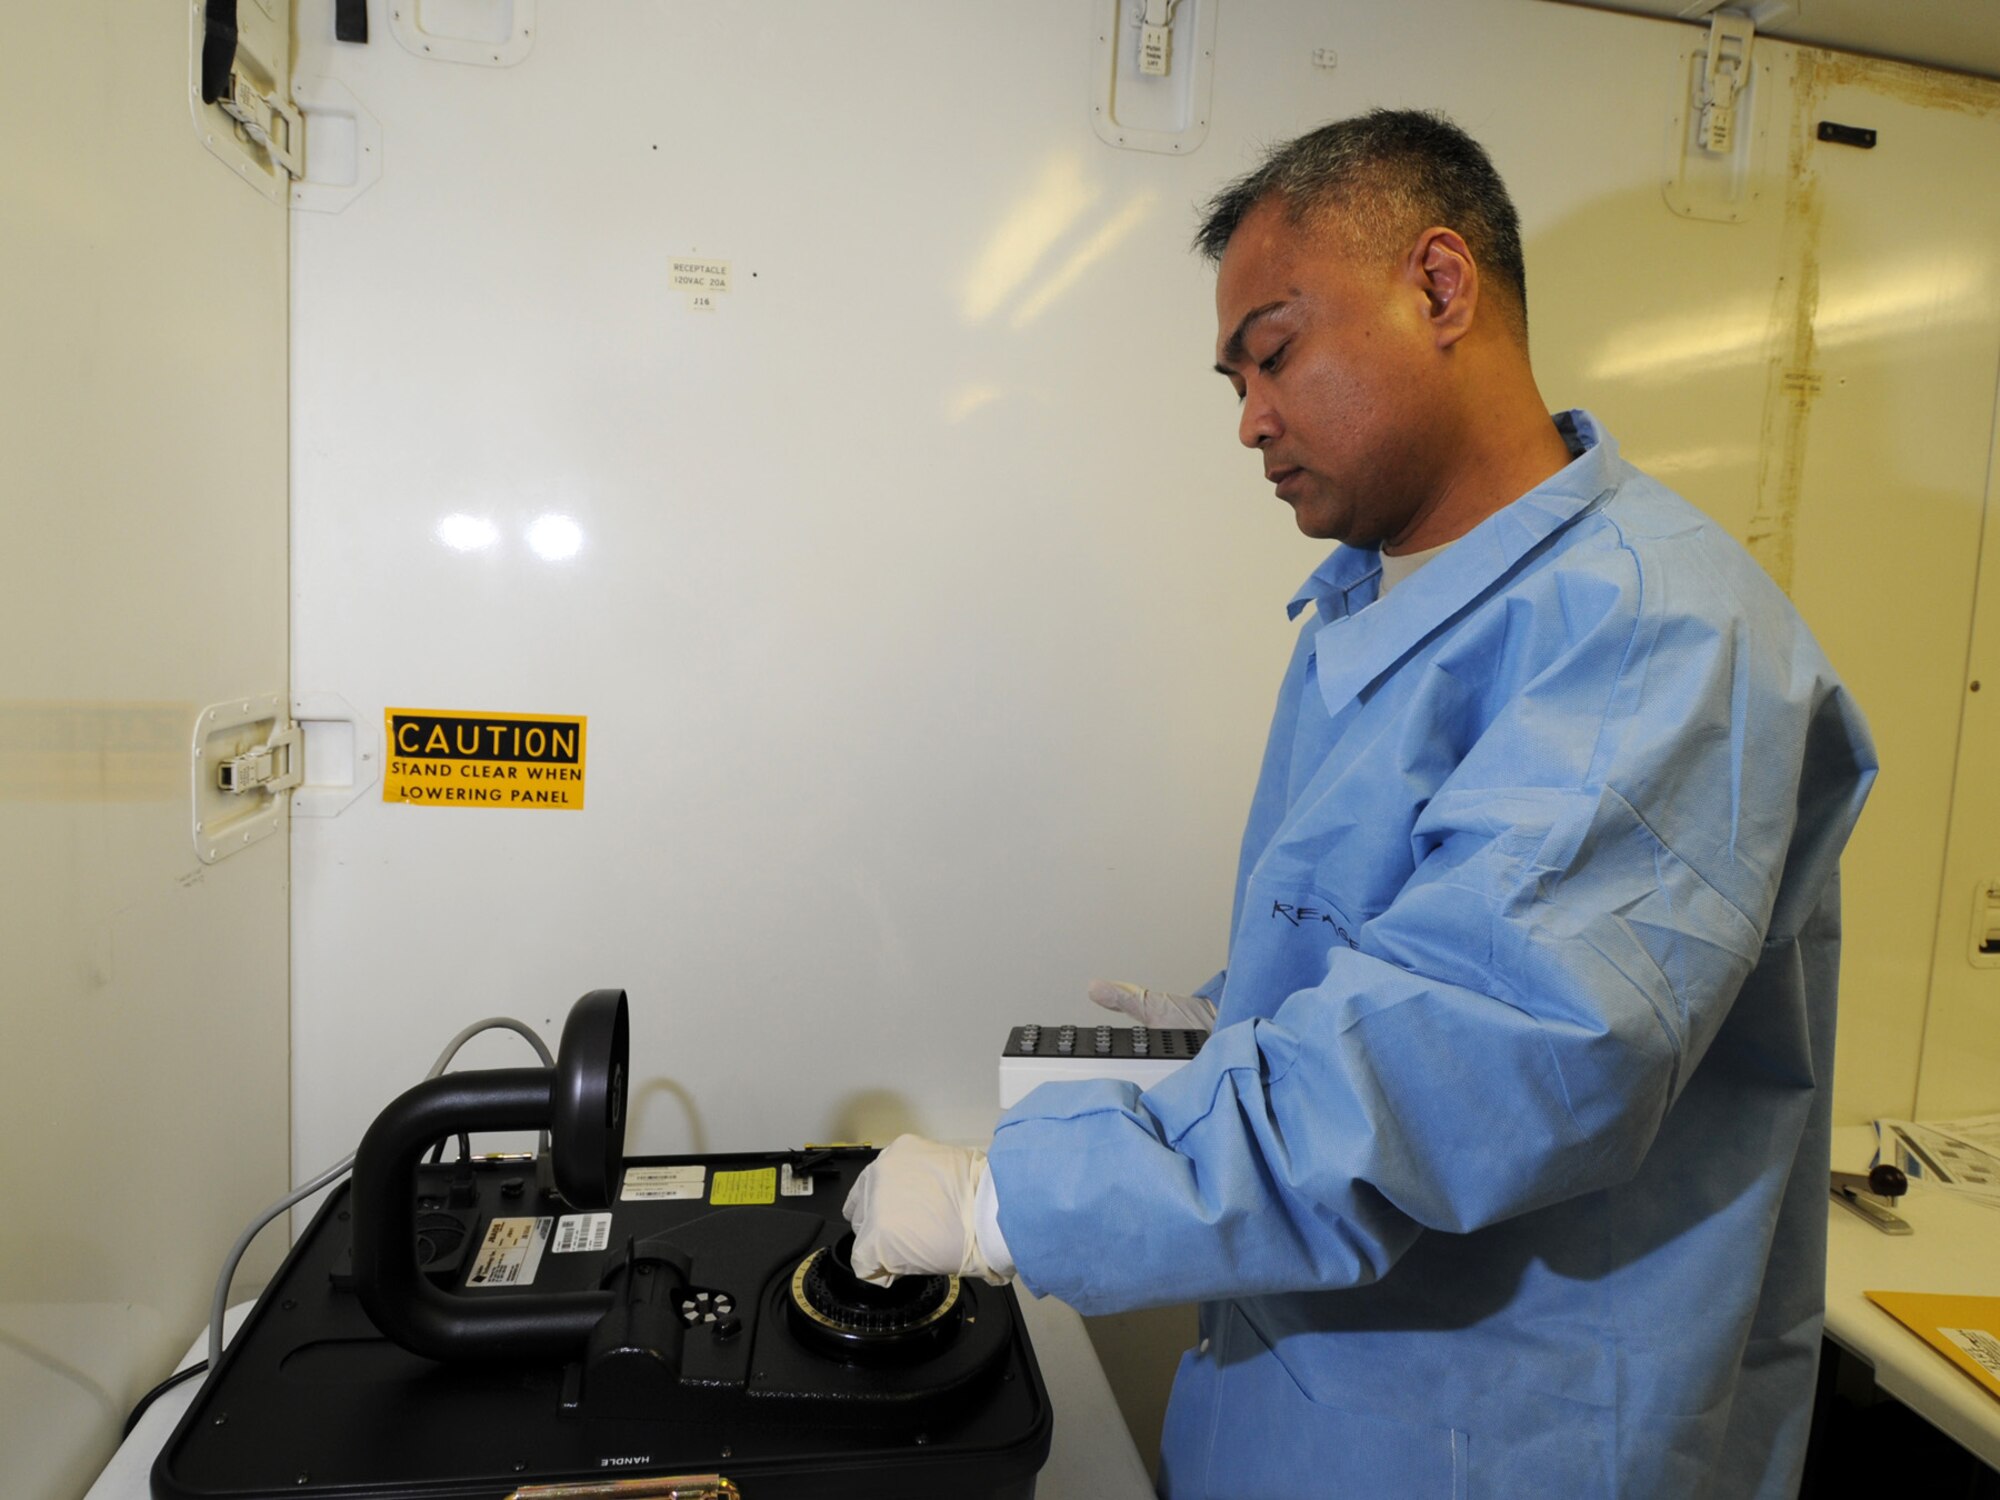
[[1504, 1170]]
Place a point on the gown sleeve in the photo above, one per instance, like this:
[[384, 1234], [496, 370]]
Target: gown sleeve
[[1592, 883]]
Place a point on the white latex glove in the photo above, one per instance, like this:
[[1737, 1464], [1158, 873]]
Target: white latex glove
[[916, 1210], [1154, 1007]]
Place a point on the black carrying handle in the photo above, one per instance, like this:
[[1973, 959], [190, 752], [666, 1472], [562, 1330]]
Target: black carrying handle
[[581, 1102]]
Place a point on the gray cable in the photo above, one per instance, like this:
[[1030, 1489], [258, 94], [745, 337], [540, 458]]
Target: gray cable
[[491, 1023], [339, 1169]]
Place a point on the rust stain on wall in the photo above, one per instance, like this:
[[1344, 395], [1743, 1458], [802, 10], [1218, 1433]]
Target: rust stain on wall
[[1794, 378], [1913, 84]]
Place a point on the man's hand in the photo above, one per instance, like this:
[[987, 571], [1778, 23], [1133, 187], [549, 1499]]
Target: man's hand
[[916, 1210], [1154, 1007]]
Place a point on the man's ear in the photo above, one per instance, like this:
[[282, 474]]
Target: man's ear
[[1449, 278]]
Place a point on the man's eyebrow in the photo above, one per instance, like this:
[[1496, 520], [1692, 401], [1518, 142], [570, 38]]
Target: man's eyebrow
[[1233, 352]]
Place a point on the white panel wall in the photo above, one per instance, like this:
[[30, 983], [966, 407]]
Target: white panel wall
[[1821, 379], [1903, 243], [143, 1085], [925, 614]]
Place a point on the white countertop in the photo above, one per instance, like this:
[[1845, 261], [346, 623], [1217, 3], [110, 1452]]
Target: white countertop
[[1955, 1248]]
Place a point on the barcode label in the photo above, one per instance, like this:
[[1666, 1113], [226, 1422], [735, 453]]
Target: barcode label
[[646, 1184], [582, 1232]]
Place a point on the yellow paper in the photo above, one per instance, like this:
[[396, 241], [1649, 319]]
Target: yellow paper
[[759, 1185], [1965, 1330]]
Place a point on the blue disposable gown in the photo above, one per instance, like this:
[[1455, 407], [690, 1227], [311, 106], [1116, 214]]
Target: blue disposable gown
[[1504, 1172]]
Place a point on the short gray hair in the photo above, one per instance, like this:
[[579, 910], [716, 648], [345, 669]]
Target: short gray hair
[[1383, 177]]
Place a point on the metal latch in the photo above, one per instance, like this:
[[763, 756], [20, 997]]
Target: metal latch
[[248, 755], [240, 90], [277, 765], [1723, 76], [270, 120], [1984, 950]]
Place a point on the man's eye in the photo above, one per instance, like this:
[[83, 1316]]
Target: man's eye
[[1270, 362]]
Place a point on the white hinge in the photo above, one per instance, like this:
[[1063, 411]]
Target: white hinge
[[277, 765], [1724, 74]]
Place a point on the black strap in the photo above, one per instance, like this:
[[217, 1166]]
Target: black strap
[[350, 20], [218, 48]]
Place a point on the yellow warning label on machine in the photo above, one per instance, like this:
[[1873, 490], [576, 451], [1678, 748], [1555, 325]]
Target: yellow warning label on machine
[[445, 758], [758, 1185]]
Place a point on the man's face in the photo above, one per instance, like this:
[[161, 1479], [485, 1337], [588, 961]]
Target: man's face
[[1327, 352]]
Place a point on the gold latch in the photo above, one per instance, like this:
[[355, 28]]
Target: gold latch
[[664, 1487]]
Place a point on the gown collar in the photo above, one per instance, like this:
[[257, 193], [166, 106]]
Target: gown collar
[[1371, 639]]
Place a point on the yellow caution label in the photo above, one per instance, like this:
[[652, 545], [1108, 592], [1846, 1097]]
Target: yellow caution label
[[442, 757], [759, 1185]]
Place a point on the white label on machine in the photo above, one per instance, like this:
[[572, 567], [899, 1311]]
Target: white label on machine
[[511, 1253], [790, 1186], [644, 1184], [1977, 1342], [582, 1232]]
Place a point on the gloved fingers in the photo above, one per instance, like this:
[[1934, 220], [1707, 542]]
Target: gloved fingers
[[1154, 1007], [913, 1213]]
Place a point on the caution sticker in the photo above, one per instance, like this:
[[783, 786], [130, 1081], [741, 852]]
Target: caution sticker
[[758, 1185], [449, 758]]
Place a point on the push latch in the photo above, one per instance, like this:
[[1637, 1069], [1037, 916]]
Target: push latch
[[277, 765]]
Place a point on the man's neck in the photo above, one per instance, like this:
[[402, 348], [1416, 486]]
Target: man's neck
[[1501, 462]]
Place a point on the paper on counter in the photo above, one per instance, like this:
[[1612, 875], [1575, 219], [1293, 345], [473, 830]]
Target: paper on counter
[[1965, 1330], [1962, 1155]]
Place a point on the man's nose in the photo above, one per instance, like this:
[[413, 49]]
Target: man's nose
[[1258, 423]]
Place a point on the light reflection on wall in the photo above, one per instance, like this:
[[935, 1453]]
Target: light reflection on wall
[[463, 533], [966, 400], [1031, 226], [1093, 250], [1685, 461], [1893, 301], [555, 538]]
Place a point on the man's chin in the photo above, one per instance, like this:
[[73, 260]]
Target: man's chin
[[1319, 528]]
